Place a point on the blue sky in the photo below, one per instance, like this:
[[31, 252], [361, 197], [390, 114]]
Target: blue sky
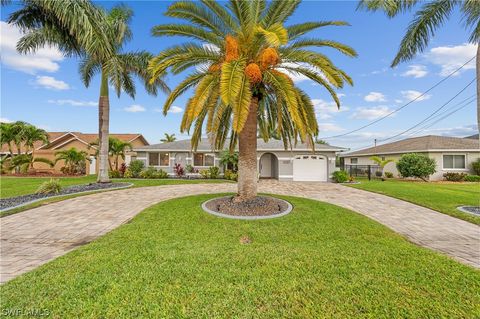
[[45, 89]]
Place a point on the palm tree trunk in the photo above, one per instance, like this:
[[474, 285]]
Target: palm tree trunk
[[478, 91], [247, 156], [103, 118], [116, 163]]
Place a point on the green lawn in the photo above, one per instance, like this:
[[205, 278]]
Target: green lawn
[[16, 186], [175, 261], [441, 197]]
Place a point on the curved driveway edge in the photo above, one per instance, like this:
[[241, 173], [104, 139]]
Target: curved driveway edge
[[36, 236]]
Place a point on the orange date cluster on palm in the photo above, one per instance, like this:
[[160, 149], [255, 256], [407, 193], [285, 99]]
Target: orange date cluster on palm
[[253, 72]]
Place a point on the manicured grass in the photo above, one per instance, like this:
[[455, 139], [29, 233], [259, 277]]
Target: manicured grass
[[441, 197], [174, 261], [16, 186]]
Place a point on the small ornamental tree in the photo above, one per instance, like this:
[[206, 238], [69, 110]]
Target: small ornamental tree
[[416, 165]]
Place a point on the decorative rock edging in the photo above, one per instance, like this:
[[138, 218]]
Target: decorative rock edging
[[466, 209], [126, 185], [286, 212]]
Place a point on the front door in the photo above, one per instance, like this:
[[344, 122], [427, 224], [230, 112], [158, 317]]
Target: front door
[[93, 165]]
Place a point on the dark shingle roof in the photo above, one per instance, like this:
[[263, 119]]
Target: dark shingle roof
[[205, 145], [420, 144], [474, 136]]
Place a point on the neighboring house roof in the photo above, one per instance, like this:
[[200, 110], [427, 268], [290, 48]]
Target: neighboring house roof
[[57, 139], [205, 145], [429, 143], [474, 136]]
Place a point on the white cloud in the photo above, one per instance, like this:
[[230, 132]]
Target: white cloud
[[51, 83], [73, 102], [5, 120], [459, 131], [398, 101], [325, 110], [375, 97], [340, 95], [416, 71], [44, 59], [175, 109], [329, 127], [450, 58], [370, 113], [296, 77], [134, 108], [410, 95]]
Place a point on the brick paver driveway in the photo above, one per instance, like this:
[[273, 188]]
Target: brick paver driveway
[[36, 236]]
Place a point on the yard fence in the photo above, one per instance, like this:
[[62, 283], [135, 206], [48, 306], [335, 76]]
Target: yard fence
[[369, 171]]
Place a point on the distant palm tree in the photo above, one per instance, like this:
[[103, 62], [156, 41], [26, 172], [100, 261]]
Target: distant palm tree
[[31, 135], [116, 148], [381, 162], [73, 158], [7, 136], [241, 75], [82, 29], [23, 162], [427, 20], [168, 138]]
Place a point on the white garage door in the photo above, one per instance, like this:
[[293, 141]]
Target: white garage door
[[310, 168]]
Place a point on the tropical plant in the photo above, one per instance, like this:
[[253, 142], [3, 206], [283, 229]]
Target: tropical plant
[[116, 149], [179, 170], [431, 16], [388, 174], [79, 28], [472, 178], [381, 162], [52, 186], [168, 138], [214, 171], [135, 167], [241, 75], [340, 176], [476, 166], [454, 176], [31, 135], [229, 160], [74, 160], [22, 162], [416, 165]]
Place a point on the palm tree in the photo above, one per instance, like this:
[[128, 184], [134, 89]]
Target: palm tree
[[22, 162], [241, 75], [229, 160], [118, 148], [427, 20], [7, 136], [168, 138], [73, 158], [82, 29], [31, 135], [381, 162]]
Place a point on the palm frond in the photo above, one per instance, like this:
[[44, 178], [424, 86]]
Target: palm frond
[[390, 7], [297, 30]]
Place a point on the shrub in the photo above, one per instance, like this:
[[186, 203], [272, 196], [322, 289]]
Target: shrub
[[148, 173], [115, 174], [189, 168], [214, 172], [179, 170], [472, 178], [128, 173], [227, 174], [378, 173], [205, 173], [234, 176], [136, 167], [454, 177], [388, 174], [161, 174], [416, 165], [340, 176], [476, 167], [50, 187]]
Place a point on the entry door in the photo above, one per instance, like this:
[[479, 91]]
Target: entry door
[[266, 166], [93, 165], [310, 168]]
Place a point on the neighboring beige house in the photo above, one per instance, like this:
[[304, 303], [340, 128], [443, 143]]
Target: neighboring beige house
[[274, 162], [452, 154], [59, 141]]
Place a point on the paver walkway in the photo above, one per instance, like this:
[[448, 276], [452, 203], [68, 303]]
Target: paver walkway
[[34, 237]]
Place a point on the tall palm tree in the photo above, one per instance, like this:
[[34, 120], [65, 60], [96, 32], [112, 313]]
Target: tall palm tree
[[7, 136], [241, 75], [30, 135], [427, 20], [79, 28], [168, 138], [73, 159]]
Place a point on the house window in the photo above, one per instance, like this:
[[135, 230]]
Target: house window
[[354, 160], [200, 159], [454, 161], [158, 159]]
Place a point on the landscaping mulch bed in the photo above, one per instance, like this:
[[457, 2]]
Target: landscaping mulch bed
[[6, 203], [475, 210], [259, 206]]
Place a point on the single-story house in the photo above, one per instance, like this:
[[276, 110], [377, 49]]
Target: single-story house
[[298, 163], [452, 154], [59, 141]]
